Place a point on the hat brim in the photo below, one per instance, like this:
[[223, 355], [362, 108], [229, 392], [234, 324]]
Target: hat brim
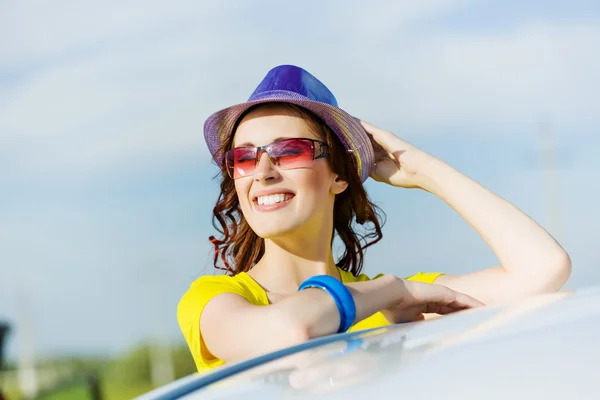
[[219, 126]]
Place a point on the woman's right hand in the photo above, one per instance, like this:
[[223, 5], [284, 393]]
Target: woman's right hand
[[420, 298]]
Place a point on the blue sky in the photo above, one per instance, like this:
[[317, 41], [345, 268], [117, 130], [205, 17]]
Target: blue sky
[[106, 186]]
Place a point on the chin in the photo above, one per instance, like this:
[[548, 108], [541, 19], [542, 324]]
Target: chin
[[280, 222], [277, 224], [274, 228]]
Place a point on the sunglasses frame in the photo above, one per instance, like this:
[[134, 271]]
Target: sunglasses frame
[[323, 149]]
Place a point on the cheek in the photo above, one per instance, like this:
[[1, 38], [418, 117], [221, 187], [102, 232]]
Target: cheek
[[242, 188], [314, 183]]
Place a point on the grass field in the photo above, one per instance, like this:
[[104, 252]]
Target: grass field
[[120, 378], [109, 392]]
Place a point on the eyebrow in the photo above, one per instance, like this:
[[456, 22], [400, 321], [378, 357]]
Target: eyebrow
[[276, 140]]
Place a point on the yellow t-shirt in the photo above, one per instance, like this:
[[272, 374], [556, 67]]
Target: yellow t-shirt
[[205, 288]]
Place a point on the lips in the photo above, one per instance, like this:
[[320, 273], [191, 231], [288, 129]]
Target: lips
[[272, 199], [272, 192]]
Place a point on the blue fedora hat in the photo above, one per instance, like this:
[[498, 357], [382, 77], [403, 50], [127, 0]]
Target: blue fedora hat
[[292, 84]]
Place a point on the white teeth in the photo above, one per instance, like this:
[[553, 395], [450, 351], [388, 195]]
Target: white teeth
[[272, 199]]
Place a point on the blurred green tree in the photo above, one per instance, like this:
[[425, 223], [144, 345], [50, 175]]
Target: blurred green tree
[[134, 366]]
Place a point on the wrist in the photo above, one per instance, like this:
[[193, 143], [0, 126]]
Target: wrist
[[397, 291], [341, 295], [379, 293], [434, 175]]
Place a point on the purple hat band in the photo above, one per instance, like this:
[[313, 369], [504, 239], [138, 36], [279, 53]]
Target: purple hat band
[[291, 84]]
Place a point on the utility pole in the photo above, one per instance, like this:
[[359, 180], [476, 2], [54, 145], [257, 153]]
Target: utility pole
[[161, 362], [27, 373]]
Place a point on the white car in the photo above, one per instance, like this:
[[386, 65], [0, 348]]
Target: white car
[[546, 347]]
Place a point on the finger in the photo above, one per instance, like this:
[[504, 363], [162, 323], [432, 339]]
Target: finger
[[372, 129], [444, 309], [379, 150], [447, 296], [424, 293], [384, 138], [385, 170], [467, 300], [448, 308]]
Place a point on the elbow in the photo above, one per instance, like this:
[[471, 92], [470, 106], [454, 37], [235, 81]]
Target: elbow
[[292, 336], [559, 270], [564, 268], [295, 332], [288, 330], [299, 334]]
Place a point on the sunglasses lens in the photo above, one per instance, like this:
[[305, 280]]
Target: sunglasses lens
[[287, 154], [292, 153], [241, 161]]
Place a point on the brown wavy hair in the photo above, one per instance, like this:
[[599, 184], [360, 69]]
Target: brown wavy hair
[[239, 248]]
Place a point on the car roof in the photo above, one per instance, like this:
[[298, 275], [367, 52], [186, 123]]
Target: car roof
[[542, 347]]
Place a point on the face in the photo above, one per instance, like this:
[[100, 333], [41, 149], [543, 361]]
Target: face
[[275, 200]]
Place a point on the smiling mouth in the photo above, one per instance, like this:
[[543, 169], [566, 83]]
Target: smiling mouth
[[273, 199]]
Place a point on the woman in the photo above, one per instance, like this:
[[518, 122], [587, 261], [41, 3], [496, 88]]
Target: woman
[[292, 165]]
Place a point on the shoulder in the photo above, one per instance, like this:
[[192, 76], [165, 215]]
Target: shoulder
[[211, 285], [349, 277], [192, 304], [426, 277], [203, 289]]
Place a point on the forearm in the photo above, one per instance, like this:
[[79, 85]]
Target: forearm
[[293, 320], [315, 312], [521, 245]]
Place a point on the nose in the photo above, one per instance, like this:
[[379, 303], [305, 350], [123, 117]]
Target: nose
[[265, 169]]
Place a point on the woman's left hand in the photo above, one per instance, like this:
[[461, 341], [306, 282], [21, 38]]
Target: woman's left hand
[[397, 162]]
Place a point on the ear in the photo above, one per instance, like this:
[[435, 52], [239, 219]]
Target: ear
[[338, 185]]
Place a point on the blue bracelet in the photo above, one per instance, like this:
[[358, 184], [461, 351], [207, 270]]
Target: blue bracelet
[[340, 294]]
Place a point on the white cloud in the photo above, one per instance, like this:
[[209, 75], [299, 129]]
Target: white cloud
[[53, 29], [380, 17], [140, 100], [493, 80]]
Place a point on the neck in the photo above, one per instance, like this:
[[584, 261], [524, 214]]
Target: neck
[[290, 260]]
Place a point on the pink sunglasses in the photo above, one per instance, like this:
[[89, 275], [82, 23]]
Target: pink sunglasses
[[286, 154]]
